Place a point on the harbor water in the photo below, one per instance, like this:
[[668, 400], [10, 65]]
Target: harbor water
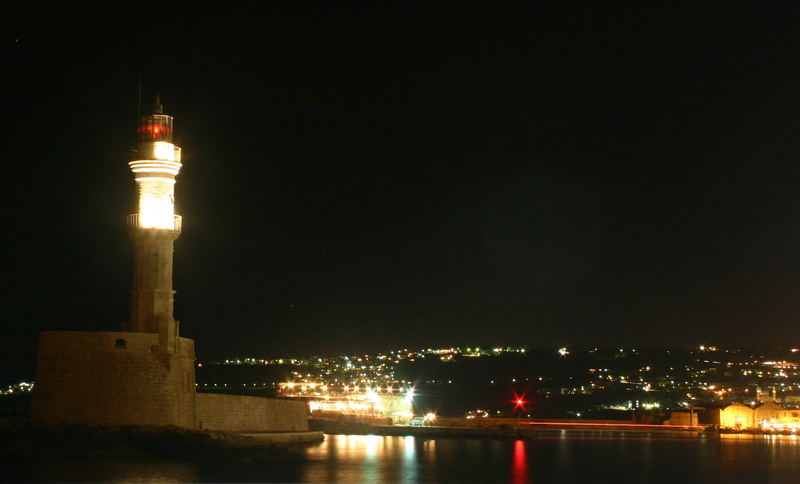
[[547, 456]]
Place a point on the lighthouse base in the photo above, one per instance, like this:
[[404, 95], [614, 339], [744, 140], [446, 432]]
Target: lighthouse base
[[133, 378], [114, 378]]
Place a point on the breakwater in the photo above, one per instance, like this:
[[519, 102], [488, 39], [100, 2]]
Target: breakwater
[[521, 431]]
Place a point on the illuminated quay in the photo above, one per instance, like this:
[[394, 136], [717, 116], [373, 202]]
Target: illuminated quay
[[379, 405]]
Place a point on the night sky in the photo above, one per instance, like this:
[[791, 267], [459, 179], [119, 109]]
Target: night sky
[[362, 177]]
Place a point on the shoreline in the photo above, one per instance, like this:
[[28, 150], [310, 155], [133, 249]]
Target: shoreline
[[529, 431], [26, 440], [478, 432]]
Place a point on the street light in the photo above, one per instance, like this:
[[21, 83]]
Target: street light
[[519, 405]]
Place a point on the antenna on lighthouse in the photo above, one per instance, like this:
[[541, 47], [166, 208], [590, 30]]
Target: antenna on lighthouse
[[139, 99], [157, 107]]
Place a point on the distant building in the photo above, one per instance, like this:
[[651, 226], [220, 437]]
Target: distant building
[[772, 416], [767, 412], [792, 399], [737, 416], [766, 416]]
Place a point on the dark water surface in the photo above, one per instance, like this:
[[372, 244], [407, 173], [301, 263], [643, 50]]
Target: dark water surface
[[550, 456]]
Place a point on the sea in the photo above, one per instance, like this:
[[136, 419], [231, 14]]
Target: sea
[[561, 456]]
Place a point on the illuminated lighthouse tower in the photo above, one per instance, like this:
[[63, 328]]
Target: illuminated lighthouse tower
[[145, 374], [155, 227]]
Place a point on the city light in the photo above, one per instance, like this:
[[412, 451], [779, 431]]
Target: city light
[[519, 402], [686, 379], [17, 388]]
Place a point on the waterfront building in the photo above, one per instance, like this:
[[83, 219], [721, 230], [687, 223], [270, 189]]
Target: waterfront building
[[737, 416], [767, 412], [764, 416]]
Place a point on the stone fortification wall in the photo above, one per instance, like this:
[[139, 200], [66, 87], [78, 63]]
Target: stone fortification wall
[[237, 413], [682, 418], [114, 378]]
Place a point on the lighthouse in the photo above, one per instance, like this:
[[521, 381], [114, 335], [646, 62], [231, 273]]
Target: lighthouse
[[155, 226], [145, 374]]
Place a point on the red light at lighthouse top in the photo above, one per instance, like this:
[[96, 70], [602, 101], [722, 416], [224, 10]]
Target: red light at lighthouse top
[[156, 126]]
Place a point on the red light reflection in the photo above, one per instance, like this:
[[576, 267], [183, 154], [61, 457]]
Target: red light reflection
[[519, 469]]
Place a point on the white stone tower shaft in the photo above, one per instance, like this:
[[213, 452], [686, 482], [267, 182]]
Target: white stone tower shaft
[[155, 226]]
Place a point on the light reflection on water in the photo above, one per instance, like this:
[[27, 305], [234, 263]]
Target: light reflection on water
[[556, 456], [363, 458], [519, 471], [580, 456]]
